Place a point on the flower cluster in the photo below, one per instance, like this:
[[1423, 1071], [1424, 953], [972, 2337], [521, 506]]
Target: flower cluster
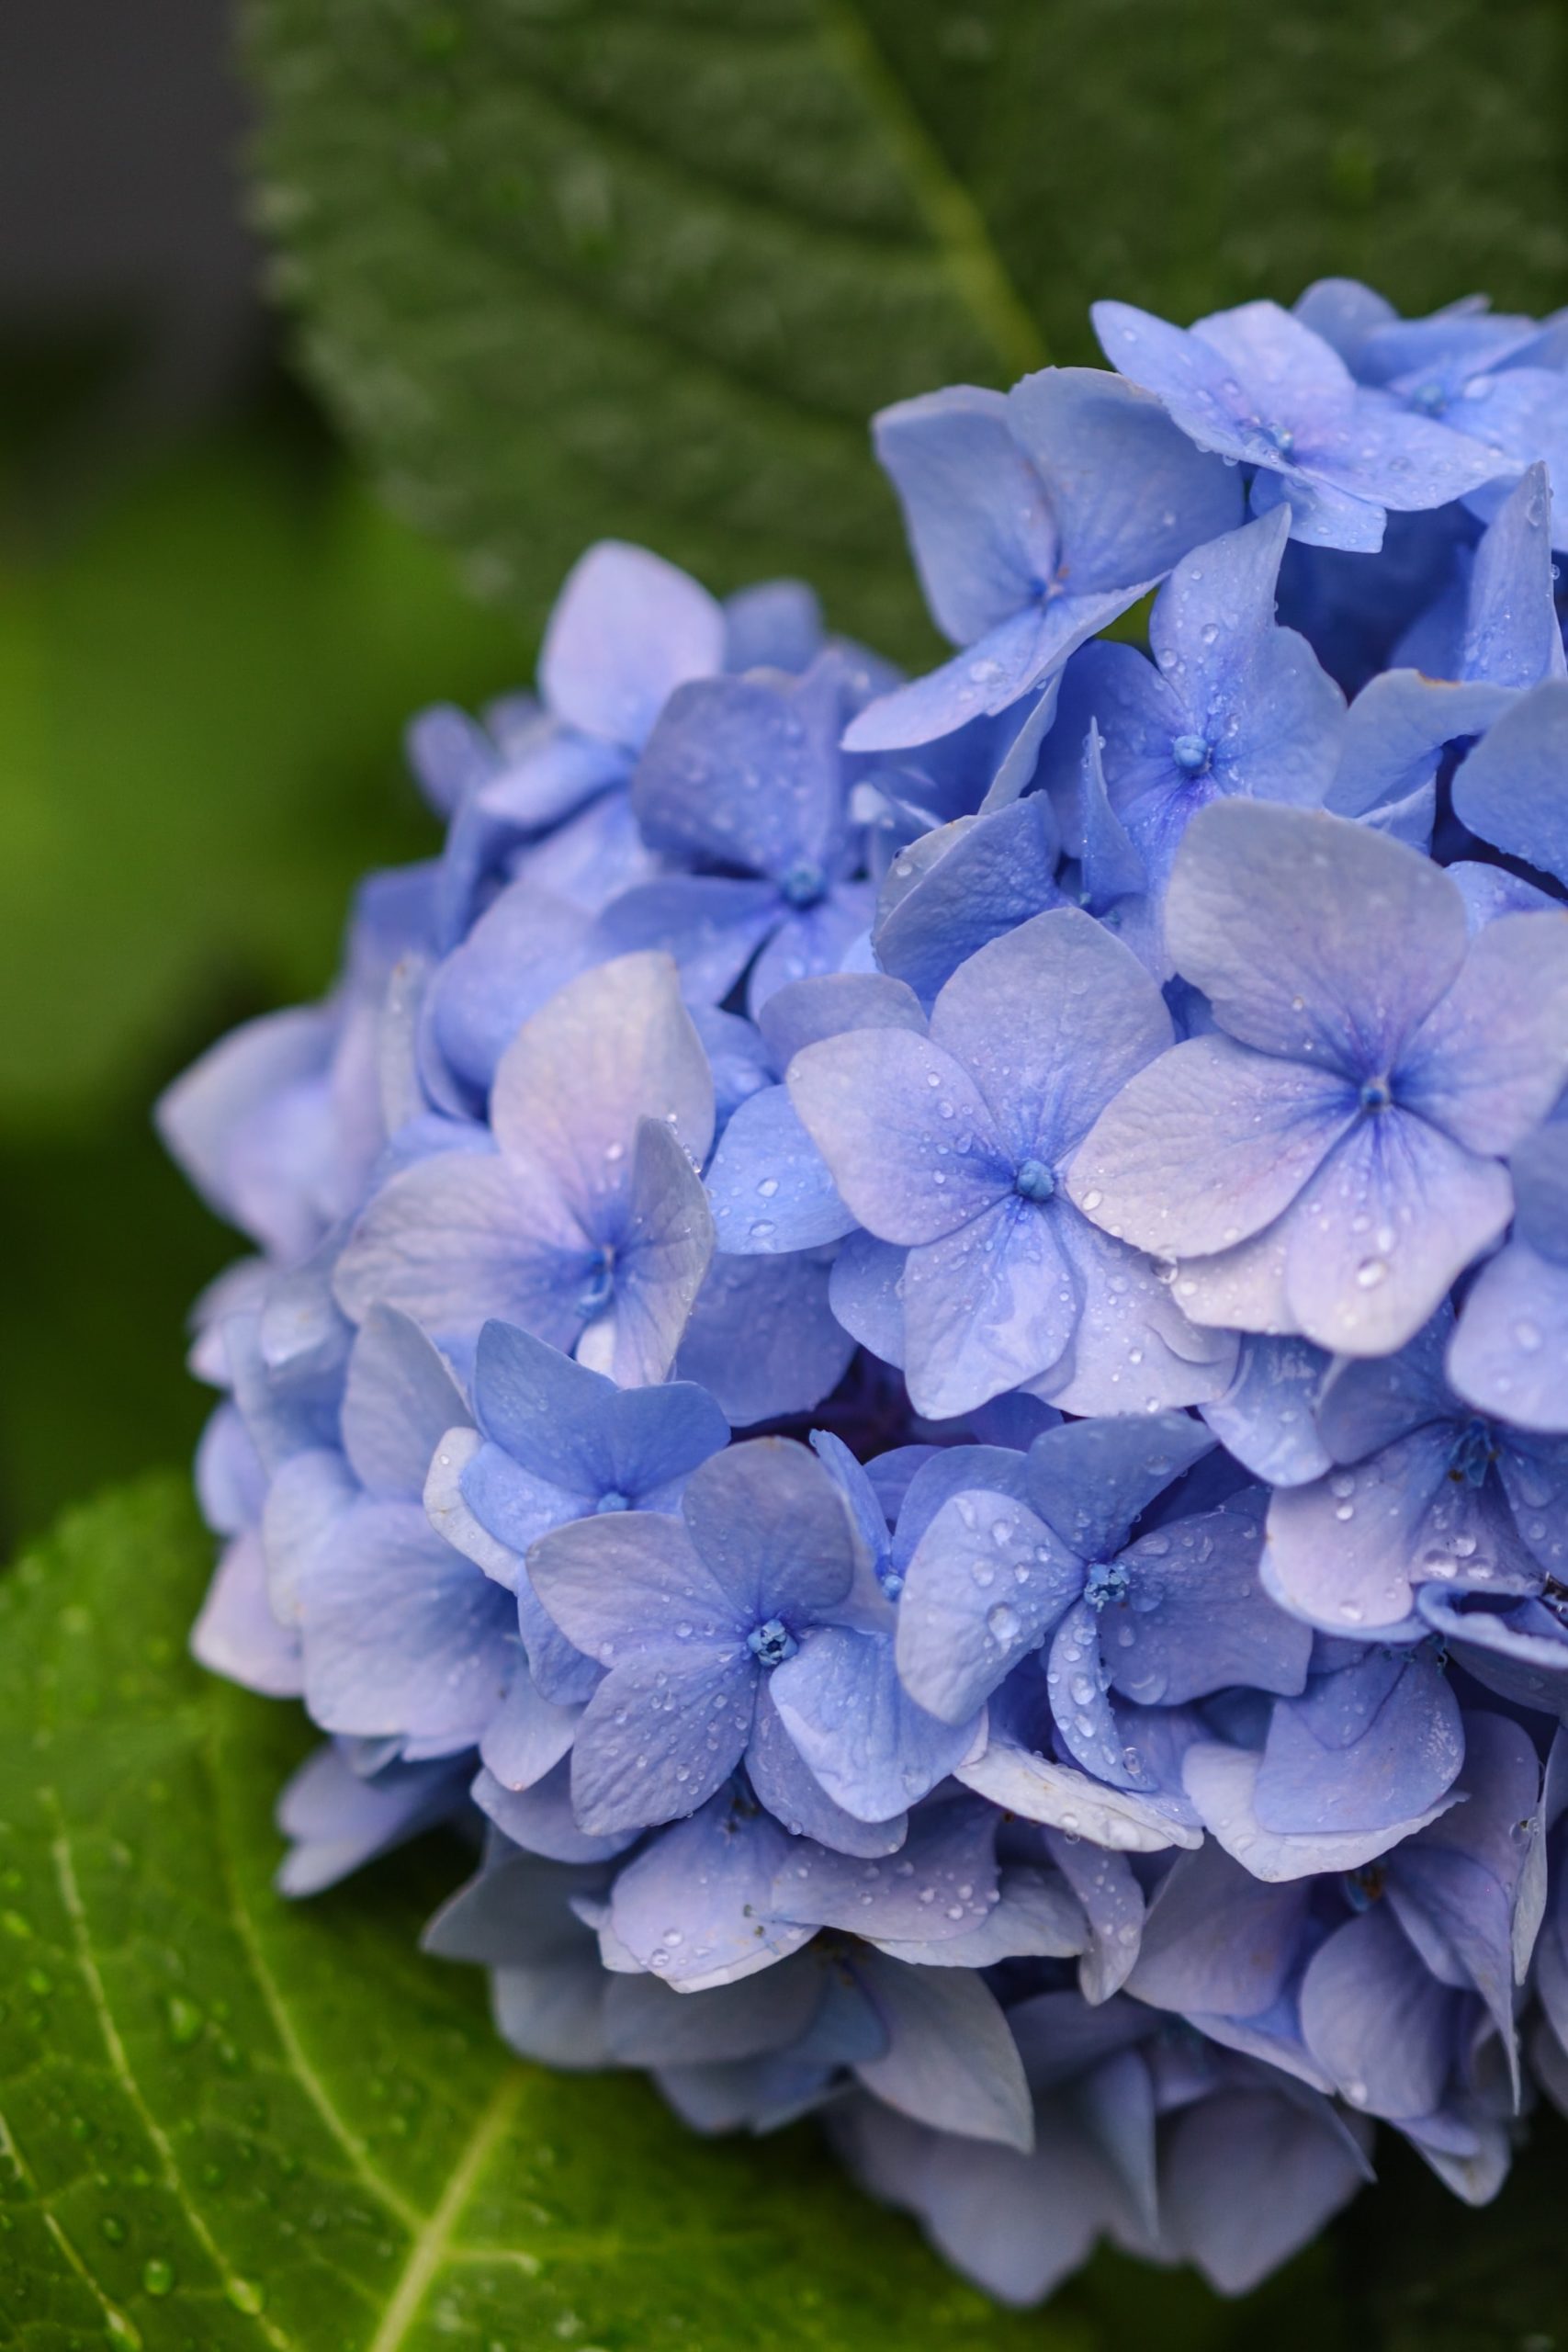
[[910, 1338]]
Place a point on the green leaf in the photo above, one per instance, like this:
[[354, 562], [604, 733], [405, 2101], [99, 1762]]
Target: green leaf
[[231, 2122], [568, 268], [201, 696]]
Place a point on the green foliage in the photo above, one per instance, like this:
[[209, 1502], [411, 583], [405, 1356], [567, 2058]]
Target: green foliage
[[567, 267], [201, 692], [236, 2123]]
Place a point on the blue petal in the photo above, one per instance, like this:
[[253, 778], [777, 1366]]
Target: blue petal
[[695, 1906], [1510, 788], [980, 525], [627, 628], [951, 2060], [399, 1403], [763, 1339], [1376, 2020], [1130, 493], [769, 1185], [969, 883], [986, 1582], [908, 1140], [1091, 1479], [746, 771], [1375, 1743], [872, 1748], [1266, 1415]]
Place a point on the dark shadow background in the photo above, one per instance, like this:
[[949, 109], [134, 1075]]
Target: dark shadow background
[[211, 636]]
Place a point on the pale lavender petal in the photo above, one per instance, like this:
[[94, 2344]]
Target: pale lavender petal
[[907, 1138], [1022, 1783], [1393, 732], [513, 959], [399, 1401], [745, 771], [1380, 1233], [827, 1004], [664, 1253], [615, 1046], [941, 1883], [456, 1239], [1091, 1479], [1376, 2020], [541, 1820], [527, 1736], [770, 1529], [636, 1759], [1207, 1146], [865, 1291], [1195, 1617], [1249, 2178], [626, 1582], [987, 1582], [980, 525], [951, 2060], [1282, 917], [1509, 1355], [709, 926], [627, 629], [1217, 1939], [1345, 1551], [1488, 1062], [695, 1908], [1221, 1782], [969, 883], [1050, 1022], [235, 1632], [871, 1747], [1376, 1743], [769, 1185], [1266, 1416], [402, 1634], [986, 1308], [1130, 493], [1134, 1350], [786, 1783]]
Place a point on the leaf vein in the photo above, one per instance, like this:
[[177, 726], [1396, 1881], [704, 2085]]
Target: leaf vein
[[299, 2062], [120, 2326], [956, 223], [432, 2247], [120, 2061]]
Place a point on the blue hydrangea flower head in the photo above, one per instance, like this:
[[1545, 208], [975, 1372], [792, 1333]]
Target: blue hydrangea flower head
[[1108, 1097]]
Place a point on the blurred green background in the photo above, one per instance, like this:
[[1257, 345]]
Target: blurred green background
[[278, 466]]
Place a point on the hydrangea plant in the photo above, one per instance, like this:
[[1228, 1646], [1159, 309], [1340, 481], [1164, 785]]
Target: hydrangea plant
[[907, 1339]]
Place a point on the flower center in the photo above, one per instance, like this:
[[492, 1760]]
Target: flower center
[[1033, 1181], [1475, 1452], [614, 1500], [772, 1642], [1376, 1094], [1105, 1580], [1191, 753], [803, 884], [598, 1281]]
